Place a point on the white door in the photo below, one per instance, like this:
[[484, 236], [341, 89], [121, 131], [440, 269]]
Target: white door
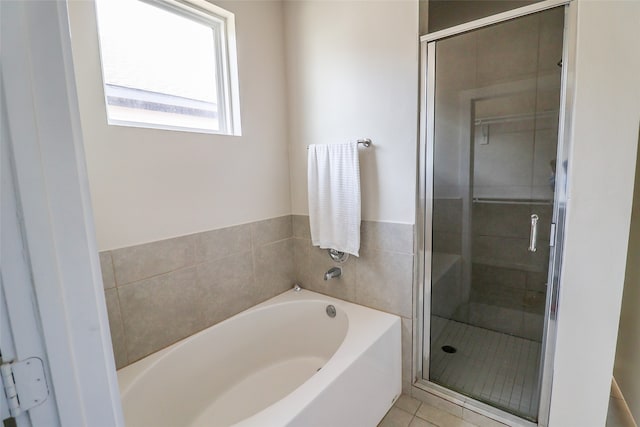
[[52, 303], [20, 336]]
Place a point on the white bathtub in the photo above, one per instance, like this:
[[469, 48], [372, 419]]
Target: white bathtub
[[261, 368]]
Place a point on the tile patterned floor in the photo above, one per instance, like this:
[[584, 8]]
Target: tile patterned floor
[[409, 412], [619, 414], [499, 369]]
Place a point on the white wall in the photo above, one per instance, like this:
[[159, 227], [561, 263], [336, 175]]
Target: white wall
[[627, 364], [148, 184], [352, 72], [602, 167]]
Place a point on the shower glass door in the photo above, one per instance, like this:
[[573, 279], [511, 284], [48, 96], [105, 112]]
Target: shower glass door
[[491, 195]]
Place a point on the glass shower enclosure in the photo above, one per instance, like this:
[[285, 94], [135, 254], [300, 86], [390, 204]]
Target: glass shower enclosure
[[491, 125]]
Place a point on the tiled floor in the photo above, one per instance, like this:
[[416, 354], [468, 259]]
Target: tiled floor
[[409, 412], [493, 367], [618, 415]]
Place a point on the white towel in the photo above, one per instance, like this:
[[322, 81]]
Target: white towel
[[334, 196]]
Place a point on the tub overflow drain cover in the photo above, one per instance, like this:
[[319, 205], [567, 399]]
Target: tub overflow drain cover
[[449, 349], [331, 311]]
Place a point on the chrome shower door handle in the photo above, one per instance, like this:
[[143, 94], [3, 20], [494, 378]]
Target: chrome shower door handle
[[533, 237]]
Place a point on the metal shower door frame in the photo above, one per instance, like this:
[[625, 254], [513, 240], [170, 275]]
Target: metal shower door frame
[[424, 208]]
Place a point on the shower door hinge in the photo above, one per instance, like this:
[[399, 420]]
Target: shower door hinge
[[24, 384], [552, 235]]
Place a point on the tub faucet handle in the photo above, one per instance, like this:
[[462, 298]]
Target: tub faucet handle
[[297, 287]]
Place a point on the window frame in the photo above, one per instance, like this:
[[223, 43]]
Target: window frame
[[222, 23]]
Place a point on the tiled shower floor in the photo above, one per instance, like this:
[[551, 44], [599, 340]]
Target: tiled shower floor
[[493, 367]]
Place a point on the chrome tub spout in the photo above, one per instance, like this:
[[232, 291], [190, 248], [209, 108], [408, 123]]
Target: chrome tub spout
[[333, 273]]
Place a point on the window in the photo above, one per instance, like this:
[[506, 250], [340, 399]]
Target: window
[[169, 64]]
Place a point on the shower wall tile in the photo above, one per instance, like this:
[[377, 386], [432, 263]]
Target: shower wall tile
[[517, 103], [143, 261], [509, 252], [500, 296], [447, 215], [484, 276], [116, 327], [532, 326], [446, 293], [508, 51], [271, 230], [106, 267], [534, 302], [537, 281], [498, 319], [504, 220], [448, 243], [551, 37], [223, 242]]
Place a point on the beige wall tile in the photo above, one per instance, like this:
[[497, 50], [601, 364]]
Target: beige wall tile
[[274, 269], [484, 276], [143, 261], [448, 243], [532, 326], [407, 354], [271, 230], [447, 215], [509, 252], [505, 220], [384, 281], [301, 228], [159, 311], [238, 267], [386, 236], [551, 39], [343, 287], [503, 168], [106, 267], [228, 286], [508, 51], [116, 328], [496, 318], [301, 263], [216, 244]]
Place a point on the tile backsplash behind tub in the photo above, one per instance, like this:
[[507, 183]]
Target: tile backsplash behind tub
[[161, 292]]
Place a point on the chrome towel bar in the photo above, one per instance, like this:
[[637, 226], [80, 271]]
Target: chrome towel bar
[[366, 142]]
